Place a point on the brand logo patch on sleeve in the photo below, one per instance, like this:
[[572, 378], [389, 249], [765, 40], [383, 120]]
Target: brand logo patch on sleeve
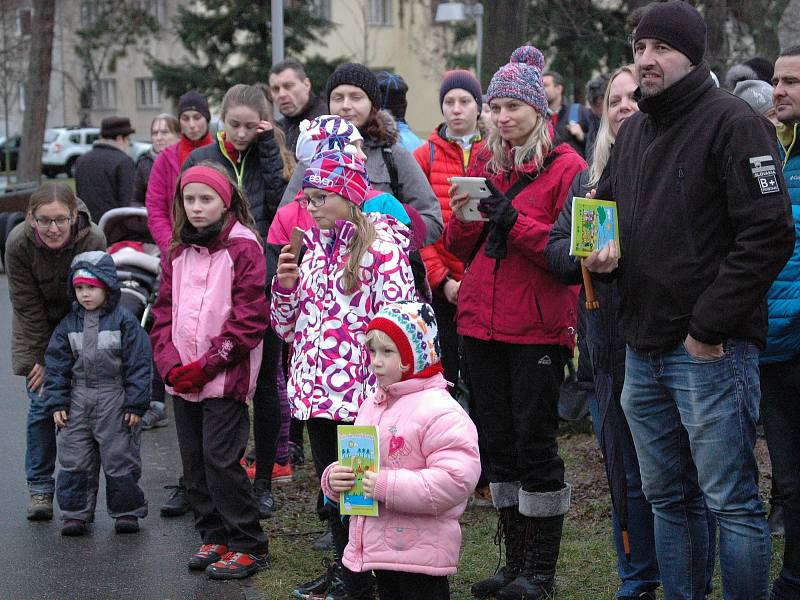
[[765, 174]]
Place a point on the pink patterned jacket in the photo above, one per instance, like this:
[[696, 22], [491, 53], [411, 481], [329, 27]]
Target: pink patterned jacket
[[329, 373]]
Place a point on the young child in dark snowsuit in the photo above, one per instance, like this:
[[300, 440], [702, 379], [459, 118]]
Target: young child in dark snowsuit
[[98, 367]]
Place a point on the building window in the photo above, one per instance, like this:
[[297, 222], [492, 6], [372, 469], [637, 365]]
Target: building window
[[105, 96], [88, 14], [380, 12], [147, 95], [321, 9], [24, 20], [21, 93]]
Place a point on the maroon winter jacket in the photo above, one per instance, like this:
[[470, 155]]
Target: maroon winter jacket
[[520, 302]]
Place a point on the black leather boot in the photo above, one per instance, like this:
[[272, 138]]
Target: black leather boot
[[536, 579], [511, 530]]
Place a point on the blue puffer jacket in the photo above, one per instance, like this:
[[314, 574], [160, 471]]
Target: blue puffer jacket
[[102, 352], [783, 338]]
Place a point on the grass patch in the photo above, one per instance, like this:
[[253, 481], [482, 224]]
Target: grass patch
[[586, 566]]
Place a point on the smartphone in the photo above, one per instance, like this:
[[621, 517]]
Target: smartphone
[[477, 189], [296, 243]]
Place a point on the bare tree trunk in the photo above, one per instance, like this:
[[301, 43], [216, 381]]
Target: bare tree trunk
[[505, 23], [717, 50], [37, 91]]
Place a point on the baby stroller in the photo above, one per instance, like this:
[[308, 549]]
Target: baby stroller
[[137, 258]]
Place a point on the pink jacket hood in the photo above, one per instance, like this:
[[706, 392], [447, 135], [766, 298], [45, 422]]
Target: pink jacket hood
[[429, 467]]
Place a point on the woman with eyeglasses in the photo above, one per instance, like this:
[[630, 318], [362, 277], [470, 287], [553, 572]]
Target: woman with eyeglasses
[[38, 255]]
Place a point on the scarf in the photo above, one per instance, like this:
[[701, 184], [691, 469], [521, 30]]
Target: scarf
[[186, 146], [194, 237]]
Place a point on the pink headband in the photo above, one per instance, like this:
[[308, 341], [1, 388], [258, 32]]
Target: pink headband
[[210, 177]]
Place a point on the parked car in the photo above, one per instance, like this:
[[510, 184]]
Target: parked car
[[64, 145], [12, 146]]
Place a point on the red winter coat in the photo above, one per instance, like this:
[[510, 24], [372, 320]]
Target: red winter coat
[[446, 160], [520, 302]]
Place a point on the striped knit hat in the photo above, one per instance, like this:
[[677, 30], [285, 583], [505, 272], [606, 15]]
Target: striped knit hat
[[339, 172], [412, 327], [521, 78]]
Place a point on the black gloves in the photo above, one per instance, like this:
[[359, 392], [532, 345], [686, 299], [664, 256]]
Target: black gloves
[[502, 217]]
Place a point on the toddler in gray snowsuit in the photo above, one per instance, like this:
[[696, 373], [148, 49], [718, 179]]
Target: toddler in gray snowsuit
[[97, 386]]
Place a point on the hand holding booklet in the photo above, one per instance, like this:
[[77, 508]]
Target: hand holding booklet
[[359, 449], [595, 223]]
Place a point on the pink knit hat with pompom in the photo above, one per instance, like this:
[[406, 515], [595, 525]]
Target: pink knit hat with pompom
[[521, 78]]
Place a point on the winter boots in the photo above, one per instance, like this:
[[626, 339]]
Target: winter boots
[[532, 531]]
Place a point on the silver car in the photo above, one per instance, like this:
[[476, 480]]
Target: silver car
[[64, 145]]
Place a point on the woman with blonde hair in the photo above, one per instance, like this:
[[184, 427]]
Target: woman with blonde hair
[[516, 320]]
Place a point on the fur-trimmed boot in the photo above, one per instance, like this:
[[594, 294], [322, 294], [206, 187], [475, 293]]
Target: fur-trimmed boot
[[543, 514], [511, 532]]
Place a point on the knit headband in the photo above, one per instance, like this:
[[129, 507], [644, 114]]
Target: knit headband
[[210, 177]]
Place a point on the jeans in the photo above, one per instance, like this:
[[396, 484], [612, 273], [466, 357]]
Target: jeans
[[780, 384], [40, 453], [640, 573], [693, 424]]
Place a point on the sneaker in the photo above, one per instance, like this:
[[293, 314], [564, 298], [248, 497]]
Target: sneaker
[[126, 524], [281, 473], [237, 565], [324, 543], [40, 507], [74, 528], [177, 504], [775, 521], [264, 499], [249, 467], [155, 416], [296, 455], [208, 553], [337, 591], [317, 588], [482, 498]]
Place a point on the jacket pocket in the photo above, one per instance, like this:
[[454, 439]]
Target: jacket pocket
[[401, 534]]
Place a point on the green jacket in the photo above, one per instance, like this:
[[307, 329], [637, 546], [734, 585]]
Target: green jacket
[[37, 285]]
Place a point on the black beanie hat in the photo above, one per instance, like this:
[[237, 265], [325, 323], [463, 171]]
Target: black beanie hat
[[194, 100], [394, 89], [359, 76], [679, 25], [464, 80]]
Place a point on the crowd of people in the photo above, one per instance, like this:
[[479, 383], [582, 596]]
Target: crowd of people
[[322, 269]]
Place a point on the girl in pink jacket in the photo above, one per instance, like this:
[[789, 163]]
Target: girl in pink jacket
[[429, 462], [210, 319]]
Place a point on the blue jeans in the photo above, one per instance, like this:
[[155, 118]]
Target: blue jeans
[[40, 453], [640, 573], [693, 423]]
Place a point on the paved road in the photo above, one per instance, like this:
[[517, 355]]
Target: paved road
[[38, 563]]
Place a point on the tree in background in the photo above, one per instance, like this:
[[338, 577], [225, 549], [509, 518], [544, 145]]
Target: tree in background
[[109, 29], [230, 41], [15, 38], [29, 166]]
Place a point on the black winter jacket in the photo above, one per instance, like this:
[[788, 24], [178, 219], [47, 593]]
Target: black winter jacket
[[104, 178], [600, 344], [291, 125], [141, 176], [705, 219], [259, 174]]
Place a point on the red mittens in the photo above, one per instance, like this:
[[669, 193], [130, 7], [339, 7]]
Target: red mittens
[[188, 379]]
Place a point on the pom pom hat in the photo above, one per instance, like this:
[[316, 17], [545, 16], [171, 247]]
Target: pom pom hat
[[412, 327], [325, 132], [86, 277], [521, 78], [339, 172]]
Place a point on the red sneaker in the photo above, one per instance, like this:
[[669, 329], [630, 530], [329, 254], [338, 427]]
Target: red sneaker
[[208, 553], [237, 565], [281, 473], [250, 468]]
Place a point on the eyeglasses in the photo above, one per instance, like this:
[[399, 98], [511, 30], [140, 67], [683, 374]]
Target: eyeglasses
[[45, 222], [316, 201]]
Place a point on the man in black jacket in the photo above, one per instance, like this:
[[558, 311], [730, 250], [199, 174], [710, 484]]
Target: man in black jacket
[[291, 93], [705, 226], [104, 175]]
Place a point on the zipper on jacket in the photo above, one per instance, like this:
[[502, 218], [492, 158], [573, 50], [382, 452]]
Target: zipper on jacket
[[538, 306], [239, 172]]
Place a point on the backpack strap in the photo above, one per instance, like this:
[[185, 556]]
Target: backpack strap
[[394, 180], [431, 155]]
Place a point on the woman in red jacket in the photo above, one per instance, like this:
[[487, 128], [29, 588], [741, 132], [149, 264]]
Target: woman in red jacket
[[516, 318]]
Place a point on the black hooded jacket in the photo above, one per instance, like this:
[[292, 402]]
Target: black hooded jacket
[[705, 219]]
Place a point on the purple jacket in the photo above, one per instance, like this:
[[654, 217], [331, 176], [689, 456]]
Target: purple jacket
[[428, 469], [211, 307], [160, 193]]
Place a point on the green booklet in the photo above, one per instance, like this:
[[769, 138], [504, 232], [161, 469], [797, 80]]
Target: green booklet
[[594, 224], [358, 448]]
